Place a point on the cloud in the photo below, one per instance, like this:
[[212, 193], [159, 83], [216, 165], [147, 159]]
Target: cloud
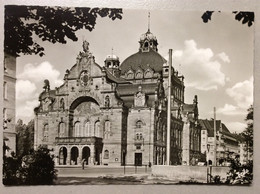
[[38, 73], [237, 127], [29, 85], [242, 93], [25, 90], [224, 57], [25, 111], [198, 66], [229, 109]]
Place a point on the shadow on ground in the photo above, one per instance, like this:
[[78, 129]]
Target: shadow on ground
[[111, 180]]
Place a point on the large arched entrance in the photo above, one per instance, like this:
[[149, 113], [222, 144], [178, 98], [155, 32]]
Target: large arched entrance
[[82, 108], [86, 155], [62, 156], [74, 155]]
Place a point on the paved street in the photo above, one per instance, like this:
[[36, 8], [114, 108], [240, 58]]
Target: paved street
[[96, 171], [100, 175]]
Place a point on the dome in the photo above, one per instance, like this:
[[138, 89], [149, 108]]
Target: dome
[[112, 57], [143, 60], [148, 36]]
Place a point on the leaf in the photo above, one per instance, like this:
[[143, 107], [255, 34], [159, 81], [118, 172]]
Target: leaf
[[51, 24]]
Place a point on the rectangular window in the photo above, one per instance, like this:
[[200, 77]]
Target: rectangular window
[[5, 118], [5, 68], [138, 147], [5, 90]]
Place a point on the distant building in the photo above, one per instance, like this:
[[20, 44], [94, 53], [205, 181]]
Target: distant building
[[9, 134], [117, 114], [243, 154], [227, 144]]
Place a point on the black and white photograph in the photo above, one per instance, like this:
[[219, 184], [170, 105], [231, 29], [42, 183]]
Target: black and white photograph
[[115, 96]]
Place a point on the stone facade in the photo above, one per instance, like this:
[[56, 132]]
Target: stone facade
[[116, 114], [9, 133]]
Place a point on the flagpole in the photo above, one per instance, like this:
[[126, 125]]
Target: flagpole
[[215, 144], [169, 110]]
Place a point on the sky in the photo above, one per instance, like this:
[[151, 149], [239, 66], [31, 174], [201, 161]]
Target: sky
[[216, 59]]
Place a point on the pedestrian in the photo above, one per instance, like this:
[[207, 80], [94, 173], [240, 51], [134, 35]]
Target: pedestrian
[[82, 163]]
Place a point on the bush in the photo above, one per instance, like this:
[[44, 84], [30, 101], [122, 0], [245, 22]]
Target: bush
[[10, 169], [36, 168], [240, 174]]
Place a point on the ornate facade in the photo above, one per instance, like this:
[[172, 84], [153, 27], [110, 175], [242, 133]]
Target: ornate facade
[[116, 114]]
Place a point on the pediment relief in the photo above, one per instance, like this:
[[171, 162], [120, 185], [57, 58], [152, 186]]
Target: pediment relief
[[139, 74], [130, 74], [148, 73]]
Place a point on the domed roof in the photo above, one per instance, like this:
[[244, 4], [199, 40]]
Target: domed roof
[[148, 35], [112, 57], [143, 60]]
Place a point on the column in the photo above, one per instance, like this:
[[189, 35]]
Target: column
[[100, 158], [80, 154], [68, 156], [57, 155], [92, 155]]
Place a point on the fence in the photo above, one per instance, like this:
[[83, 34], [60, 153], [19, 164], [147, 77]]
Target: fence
[[186, 173]]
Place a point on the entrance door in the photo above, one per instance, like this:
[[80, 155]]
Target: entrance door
[[63, 156], [86, 154], [74, 155], [138, 159]]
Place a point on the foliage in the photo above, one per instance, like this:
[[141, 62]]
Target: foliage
[[10, 168], [240, 174], [53, 24], [36, 168], [24, 137], [245, 17], [248, 133]]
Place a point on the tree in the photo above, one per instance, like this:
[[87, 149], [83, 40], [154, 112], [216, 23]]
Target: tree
[[53, 24], [246, 17], [248, 132], [10, 168], [38, 168], [24, 137]]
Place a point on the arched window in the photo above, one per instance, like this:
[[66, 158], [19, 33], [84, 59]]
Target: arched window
[[106, 154], [97, 128], [148, 74], [62, 104], [77, 129], [46, 132], [138, 74], [130, 74], [146, 44], [107, 129], [61, 132], [107, 102], [140, 136], [87, 131], [139, 124]]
